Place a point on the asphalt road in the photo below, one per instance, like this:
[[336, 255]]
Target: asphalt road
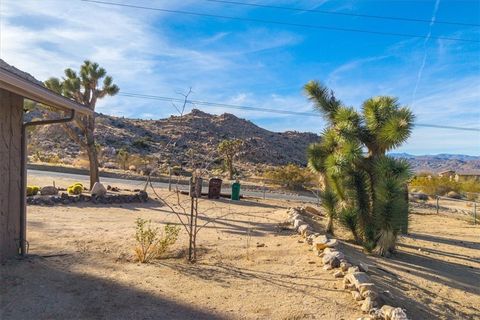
[[138, 184]]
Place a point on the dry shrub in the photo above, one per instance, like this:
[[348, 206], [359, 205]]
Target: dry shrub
[[442, 185], [151, 243], [291, 176]]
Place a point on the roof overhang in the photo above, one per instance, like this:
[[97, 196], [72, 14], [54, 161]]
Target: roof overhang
[[33, 91]]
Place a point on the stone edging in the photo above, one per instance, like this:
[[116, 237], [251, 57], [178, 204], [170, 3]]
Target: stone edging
[[354, 279]]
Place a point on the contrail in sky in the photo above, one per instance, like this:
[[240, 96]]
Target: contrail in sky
[[422, 66]]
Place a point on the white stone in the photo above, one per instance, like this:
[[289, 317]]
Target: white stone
[[98, 190], [330, 255], [331, 243], [398, 314], [363, 267], [367, 305], [297, 223], [344, 266], [339, 274], [303, 228], [358, 278], [356, 296]]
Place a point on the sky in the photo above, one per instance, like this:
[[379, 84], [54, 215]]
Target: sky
[[264, 65]]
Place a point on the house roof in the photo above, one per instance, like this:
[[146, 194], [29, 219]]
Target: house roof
[[446, 171], [24, 84]]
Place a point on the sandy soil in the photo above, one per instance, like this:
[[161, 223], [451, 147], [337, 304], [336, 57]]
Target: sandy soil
[[80, 267]]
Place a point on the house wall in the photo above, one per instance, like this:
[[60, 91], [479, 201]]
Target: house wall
[[11, 117]]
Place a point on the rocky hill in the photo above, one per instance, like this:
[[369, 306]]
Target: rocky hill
[[441, 162], [193, 138], [178, 140]]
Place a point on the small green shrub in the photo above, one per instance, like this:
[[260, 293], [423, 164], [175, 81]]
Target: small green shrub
[[150, 244], [141, 143], [76, 189], [32, 190]]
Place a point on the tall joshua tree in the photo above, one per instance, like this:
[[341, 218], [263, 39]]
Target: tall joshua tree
[[368, 186], [86, 87]]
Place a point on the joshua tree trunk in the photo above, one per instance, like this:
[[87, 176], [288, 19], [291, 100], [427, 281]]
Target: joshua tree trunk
[[329, 228], [92, 152], [230, 169]]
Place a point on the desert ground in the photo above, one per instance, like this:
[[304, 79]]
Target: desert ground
[[80, 266]]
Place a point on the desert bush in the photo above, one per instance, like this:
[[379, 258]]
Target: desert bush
[[290, 176], [141, 143], [32, 190], [443, 185], [40, 156], [150, 243], [76, 189]]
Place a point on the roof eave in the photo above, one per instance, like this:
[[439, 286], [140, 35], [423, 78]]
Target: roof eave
[[35, 92]]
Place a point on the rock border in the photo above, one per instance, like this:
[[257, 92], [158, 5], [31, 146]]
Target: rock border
[[355, 278], [66, 199]]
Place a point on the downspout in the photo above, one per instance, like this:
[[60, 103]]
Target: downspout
[[23, 187]]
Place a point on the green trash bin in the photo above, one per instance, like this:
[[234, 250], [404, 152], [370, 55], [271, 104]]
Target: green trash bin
[[236, 191]]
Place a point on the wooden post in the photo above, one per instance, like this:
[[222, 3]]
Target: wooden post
[[11, 118], [169, 178]]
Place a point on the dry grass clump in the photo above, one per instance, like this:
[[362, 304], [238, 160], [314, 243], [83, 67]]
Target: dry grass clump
[[151, 244]]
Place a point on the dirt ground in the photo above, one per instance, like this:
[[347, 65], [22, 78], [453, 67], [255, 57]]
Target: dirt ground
[[80, 267]]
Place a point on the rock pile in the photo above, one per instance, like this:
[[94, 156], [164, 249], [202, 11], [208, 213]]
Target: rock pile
[[65, 199], [355, 278]]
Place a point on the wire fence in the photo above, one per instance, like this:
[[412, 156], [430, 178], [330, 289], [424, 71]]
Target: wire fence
[[466, 208]]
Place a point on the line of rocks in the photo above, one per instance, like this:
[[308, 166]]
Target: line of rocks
[[66, 199], [355, 278]]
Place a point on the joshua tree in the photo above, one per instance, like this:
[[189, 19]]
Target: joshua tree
[[123, 156], [368, 188], [86, 89], [229, 149]]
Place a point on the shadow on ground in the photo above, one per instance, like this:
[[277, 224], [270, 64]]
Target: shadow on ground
[[61, 294], [386, 273]]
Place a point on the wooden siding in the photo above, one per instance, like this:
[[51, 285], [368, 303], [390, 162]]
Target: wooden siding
[[11, 117]]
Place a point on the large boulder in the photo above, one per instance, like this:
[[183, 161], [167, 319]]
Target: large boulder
[[49, 191], [98, 190]]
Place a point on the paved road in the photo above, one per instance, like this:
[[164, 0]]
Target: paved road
[[137, 183]]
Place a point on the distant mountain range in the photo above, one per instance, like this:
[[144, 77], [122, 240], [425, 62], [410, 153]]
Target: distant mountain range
[[441, 162], [196, 136]]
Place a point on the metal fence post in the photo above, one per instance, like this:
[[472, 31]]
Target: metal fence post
[[264, 189], [474, 212], [438, 207]]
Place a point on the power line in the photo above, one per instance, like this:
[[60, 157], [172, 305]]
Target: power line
[[344, 13], [291, 24], [267, 110]]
